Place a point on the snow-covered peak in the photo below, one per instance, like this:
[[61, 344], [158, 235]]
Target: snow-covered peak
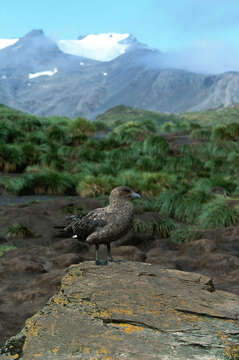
[[102, 47], [7, 42]]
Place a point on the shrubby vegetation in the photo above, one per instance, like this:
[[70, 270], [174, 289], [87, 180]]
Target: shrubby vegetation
[[186, 167]]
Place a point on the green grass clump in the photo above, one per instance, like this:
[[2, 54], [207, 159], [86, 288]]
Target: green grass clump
[[19, 231], [42, 181], [161, 227], [12, 158], [217, 213], [203, 134], [130, 131], [182, 234], [155, 145], [91, 186], [6, 248], [80, 127]]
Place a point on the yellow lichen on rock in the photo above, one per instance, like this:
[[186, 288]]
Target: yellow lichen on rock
[[85, 350], [223, 336], [232, 351], [67, 280], [102, 351], [52, 326], [122, 311], [56, 349], [60, 299], [129, 328], [33, 327]]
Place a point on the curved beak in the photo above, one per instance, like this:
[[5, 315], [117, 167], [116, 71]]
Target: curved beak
[[135, 195]]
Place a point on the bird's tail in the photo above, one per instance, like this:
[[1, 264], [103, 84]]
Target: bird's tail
[[67, 229]]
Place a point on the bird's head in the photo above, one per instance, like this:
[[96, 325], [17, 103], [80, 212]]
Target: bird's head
[[123, 192]]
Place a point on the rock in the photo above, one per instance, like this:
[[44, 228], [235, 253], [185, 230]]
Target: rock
[[198, 247], [141, 240], [204, 254], [24, 264], [131, 311], [164, 258], [164, 244], [3, 240], [220, 262], [48, 281], [129, 253], [71, 245], [66, 260]]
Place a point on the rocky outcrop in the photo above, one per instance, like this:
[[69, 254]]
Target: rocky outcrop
[[131, 310], [32, 273]]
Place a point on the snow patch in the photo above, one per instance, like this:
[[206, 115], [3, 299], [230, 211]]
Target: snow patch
[[102, 47], [7, 42], [3, 77], [17, 47], [105, 73], [43, 73], [82, 63]]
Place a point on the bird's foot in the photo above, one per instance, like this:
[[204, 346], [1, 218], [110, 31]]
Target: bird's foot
[[116, 261], [101, 262]]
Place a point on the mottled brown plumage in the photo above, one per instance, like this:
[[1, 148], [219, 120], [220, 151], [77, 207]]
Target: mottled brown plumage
[[104, 225]]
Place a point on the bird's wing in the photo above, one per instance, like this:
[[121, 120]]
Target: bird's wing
[[68, 221], [110, 232], [84, 226]]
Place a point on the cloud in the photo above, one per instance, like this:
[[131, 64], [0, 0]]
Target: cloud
[[204, 57]]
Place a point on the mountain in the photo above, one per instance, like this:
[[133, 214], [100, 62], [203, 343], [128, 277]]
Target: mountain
[[86, 77]]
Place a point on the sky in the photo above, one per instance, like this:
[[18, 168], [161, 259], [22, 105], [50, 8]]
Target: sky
[[203, 33]]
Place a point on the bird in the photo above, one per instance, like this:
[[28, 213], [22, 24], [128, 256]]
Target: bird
[[107, 224]]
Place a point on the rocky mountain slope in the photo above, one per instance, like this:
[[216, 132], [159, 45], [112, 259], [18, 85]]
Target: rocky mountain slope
[[36, 76]]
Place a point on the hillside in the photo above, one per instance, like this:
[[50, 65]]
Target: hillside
[[121, 114], [215, 117]]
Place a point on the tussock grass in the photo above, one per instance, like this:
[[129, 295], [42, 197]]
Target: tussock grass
[[19, 231], [56, 155], [162, 227], [182, 234], [218, 213], [95, 185], [6, 248], [41, 181]]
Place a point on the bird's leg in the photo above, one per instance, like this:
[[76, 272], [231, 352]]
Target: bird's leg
[[97, 260], [109, 255]]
